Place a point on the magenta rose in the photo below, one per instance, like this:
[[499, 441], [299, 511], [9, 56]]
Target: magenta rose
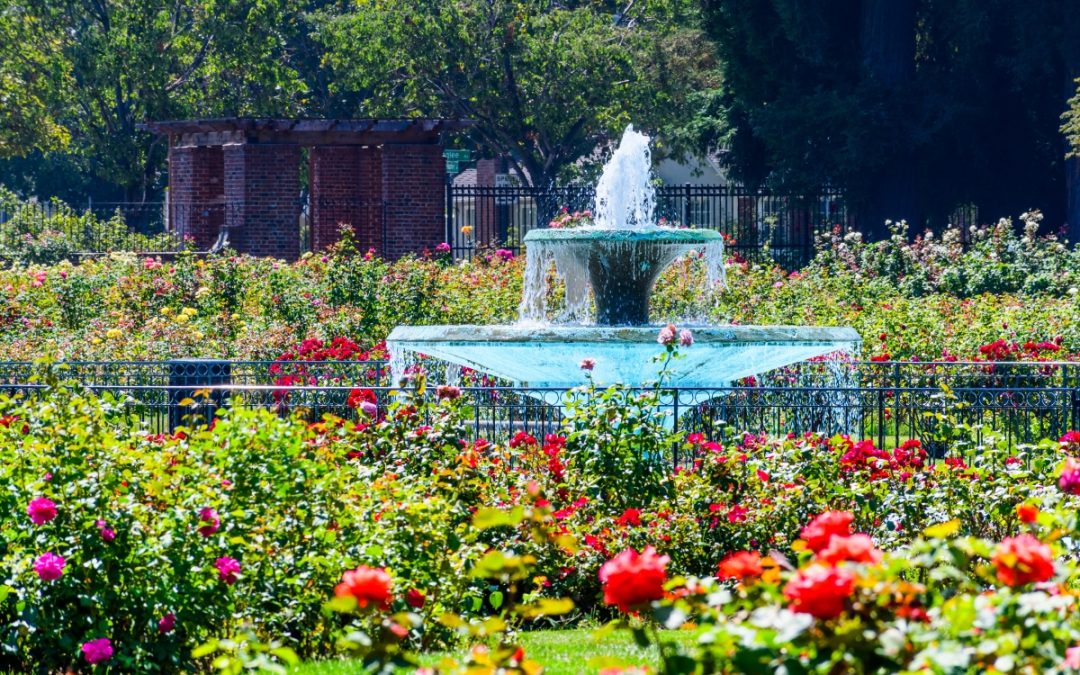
[[211, 522], [41, 510], [228, 569], [49, 566], [97, 651]]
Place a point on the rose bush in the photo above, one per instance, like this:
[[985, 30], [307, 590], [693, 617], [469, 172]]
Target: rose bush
[[941, 603]]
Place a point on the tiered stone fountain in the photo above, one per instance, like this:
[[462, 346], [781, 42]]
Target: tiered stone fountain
[[618, 259]]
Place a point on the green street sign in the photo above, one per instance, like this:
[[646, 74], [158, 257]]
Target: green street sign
[[452, 166], [457, 155]]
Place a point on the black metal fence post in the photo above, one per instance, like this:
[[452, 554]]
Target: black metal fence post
[[186, 378], [449, 210]]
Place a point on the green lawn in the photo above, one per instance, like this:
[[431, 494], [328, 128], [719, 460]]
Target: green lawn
[[562, 652]]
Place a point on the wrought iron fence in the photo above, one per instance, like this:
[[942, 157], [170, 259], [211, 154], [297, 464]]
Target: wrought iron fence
[[51, 230], [942, 404], [758, 223]]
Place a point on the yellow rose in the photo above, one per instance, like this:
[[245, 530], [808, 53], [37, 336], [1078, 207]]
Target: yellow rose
[[113, 333], [182, 318], [467, 230]]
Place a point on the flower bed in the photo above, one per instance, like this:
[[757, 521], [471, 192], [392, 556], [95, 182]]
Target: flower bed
[[148, 552], [927, 300]]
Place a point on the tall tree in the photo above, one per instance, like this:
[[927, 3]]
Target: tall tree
[[546, 81], [118, 63], [33, 81], [912, 106]]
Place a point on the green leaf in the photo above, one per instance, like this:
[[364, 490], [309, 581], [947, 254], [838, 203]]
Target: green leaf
[[341, 604], [496, 599], [204, 649], [287, 655], [546, 607], [942, 530], [487, 518]]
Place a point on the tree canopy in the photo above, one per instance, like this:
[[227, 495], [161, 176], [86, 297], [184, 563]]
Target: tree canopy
[[547, 82], [912, 106], [86, 72]]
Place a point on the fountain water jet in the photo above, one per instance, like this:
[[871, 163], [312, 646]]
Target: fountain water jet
[[618, 259]]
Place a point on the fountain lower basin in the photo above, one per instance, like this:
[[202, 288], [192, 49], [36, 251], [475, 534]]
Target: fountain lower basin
[[549, 356]]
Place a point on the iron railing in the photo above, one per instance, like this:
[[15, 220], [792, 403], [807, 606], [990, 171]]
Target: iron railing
[[53, 229], [758, 223], [889, 402], [49, 231]]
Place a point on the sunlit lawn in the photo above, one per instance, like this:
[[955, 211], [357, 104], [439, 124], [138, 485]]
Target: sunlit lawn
[[562, 652]]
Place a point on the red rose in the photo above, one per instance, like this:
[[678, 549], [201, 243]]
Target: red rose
[[369, 585], [358, 396], [415, 598], [1027, 513], [741, 566], [1023, 560], [858, 548], [632, 579], [820, 590], [821, 529], [630, 517]]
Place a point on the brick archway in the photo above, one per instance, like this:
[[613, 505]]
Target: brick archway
[[240, 178]]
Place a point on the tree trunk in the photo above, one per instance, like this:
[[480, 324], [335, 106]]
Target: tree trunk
[[1070, 50], [887, 41]]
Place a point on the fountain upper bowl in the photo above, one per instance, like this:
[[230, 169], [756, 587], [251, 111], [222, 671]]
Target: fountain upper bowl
[[650, 233]]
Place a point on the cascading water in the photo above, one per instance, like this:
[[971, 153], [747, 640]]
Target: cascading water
[[625, 196], [620, 269]]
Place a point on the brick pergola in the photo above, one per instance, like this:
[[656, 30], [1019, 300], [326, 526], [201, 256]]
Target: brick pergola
[[241, 176]]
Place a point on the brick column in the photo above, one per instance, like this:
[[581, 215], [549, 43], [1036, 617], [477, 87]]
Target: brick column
[[488, 213], [346, 187], [414, 198], [262, 189], [196, 194]]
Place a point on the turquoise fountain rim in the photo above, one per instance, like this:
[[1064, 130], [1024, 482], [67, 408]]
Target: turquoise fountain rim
[[651, 233], [514, 333]]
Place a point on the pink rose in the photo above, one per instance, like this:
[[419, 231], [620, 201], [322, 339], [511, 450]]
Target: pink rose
[[167, 623], [41, 510], [667, 335], [211, 521], [107, 533], [97, 651], [49, 566], [228, 569]]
